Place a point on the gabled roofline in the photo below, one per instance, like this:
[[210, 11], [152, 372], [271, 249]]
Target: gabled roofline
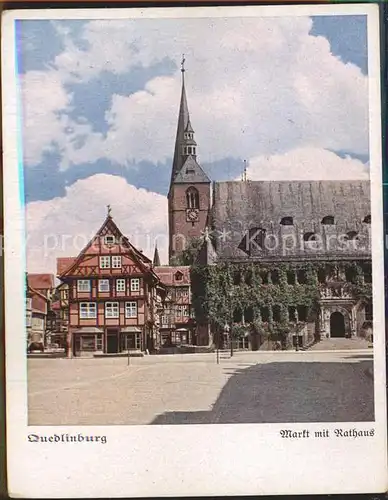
[[139, 257]]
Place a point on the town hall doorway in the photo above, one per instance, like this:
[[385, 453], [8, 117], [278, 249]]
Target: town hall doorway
[[337, 325]]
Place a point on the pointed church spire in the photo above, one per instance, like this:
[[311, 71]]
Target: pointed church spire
[[156, 260], [185, 144]]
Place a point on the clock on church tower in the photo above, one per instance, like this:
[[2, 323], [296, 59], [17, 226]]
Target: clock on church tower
[[189, 193]]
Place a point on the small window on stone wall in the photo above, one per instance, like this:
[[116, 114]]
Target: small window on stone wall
[[302, 313], [369, 312], [291, 279], [302, 276], [264, 277], [350, 274], [367, 272], [292, 313], [264, 314], [351, 236], [248, 315], [237, 316], [287, 221], [322, 275], [248, 278], [236, 278], [275, 277], [328, 220], [367, 219], [276, 313]]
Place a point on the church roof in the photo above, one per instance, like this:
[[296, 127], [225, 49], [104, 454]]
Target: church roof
[[41, 281], [262, 205], [183, 122], [156, 259], [189, 128], [190, 173]]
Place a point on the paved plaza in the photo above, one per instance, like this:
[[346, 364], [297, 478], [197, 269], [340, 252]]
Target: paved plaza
[[251, 387]]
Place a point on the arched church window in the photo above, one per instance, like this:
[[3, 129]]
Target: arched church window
[[328, 220], [287, 221], [192, 198], [367, 219]]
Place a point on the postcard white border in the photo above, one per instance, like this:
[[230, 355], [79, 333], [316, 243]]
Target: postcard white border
[[184, 460]]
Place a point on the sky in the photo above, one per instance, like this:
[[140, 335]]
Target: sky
[[99, 114]]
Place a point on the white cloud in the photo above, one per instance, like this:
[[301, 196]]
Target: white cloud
[[61, 227], [266, 86], [43, 97], [306, 164]]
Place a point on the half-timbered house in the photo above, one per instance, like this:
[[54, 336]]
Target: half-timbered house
[[176, 324], [109, 292]]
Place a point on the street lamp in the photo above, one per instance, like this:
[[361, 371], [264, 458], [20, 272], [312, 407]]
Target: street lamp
[[228, 332]]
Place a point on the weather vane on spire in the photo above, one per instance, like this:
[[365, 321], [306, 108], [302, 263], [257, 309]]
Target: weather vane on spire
[[183, 63]]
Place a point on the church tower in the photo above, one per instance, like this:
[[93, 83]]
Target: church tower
[[189, 193]]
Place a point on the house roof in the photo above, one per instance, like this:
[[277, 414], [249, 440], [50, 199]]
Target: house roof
[[40, 281], [67, 267], [64, 263], [55, 306], [167, 275], [38, 300]]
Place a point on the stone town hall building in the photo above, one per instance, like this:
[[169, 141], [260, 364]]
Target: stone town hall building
[[280, 256]]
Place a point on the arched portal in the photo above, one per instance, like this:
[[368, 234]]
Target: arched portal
[[337, 324]]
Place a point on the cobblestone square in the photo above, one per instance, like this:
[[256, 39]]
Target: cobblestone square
[[251, 387]]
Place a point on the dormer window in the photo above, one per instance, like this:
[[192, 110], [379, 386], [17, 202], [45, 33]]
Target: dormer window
[[109, 240], [328, 220], [310, 240], [351, 236], [178, 276], [367, 219], [287, 221]]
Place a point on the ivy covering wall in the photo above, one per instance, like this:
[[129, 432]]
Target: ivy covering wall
[[219, 290]]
